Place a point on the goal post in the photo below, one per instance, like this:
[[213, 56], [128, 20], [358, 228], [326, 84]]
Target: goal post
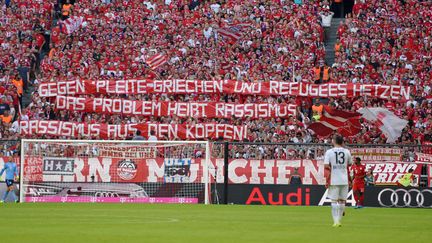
[[123, 171]]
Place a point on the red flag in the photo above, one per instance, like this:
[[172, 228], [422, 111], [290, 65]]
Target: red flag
[[157, 60], [345, 123]]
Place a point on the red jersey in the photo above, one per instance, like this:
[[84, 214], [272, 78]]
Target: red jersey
[[359, 173]]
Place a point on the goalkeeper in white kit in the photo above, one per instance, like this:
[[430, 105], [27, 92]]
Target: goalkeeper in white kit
[[337, 161]]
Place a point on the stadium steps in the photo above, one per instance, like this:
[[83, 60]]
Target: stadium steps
[[27, 96], [28, 92], [331, 41]]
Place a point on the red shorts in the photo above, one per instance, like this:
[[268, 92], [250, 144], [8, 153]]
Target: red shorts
[[359, 187]]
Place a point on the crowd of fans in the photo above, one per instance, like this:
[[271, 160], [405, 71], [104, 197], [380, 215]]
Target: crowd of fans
[[280, 40], [23, 26], [389, 42]]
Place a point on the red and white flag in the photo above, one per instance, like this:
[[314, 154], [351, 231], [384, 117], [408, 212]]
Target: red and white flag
[[157, 60], [231, 33], [72, 24], [387, 121], [345, 123]]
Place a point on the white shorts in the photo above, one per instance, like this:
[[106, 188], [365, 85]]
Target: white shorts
[[339, 192]]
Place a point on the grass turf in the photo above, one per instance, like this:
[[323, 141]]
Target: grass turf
[[122, 223]]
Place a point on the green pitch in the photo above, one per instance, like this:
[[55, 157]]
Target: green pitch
[[200, 223]]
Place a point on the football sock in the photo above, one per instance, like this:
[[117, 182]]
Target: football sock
[[13, 196], [335, 207], [356, 198], [5, 195], [341, 211]]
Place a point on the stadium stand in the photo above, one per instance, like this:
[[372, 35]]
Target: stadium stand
[[23, 26], [389, 44], [256, 40]]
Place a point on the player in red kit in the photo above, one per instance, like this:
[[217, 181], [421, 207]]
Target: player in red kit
[[359, 174]]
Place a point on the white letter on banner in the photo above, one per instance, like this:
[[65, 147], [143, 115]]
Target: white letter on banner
[[117, 106], [127, 107], [61, 102], [388, 168], [100, 87], [233, 166], [218, 86], [292, 109], [273, 88], [45, 89], [311, 172], [228, 131], [54, 128], [97, 103], [34, 127], [367, 89], [168, 86], [385, 94], [181, 86], [405, 92], [240, 132], [107, 105], [61, 88], [156, 172], [141, 87], [324, 90], [313, 90], [201, 131], [24, 127], [283, 167], [80, 87], [99, 169], [267, 171], [304, 89], [395, 91], [344, 89], [238, 87], [79, 166], [332, 89], [80, 104]]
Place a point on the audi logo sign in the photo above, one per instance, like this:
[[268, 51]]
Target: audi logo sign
[[404, 198], [398, 197]]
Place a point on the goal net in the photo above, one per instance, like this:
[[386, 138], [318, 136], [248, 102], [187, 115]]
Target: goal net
[[115, 171]]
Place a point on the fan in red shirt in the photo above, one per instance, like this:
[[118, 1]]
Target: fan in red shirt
[[359, 171]]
